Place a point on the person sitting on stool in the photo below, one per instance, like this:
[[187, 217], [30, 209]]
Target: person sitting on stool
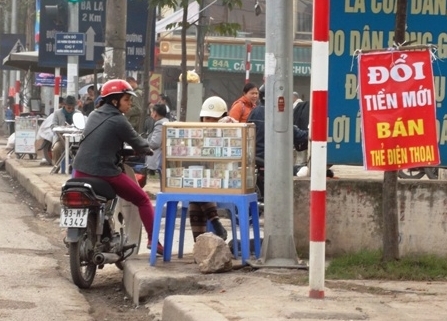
[[214, 109], [62, 117]]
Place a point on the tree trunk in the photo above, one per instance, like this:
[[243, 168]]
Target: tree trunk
[[115, 51], [183, 103], [389, 199], [148, 59]]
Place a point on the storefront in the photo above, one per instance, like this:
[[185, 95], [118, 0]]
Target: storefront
[[224, 68]]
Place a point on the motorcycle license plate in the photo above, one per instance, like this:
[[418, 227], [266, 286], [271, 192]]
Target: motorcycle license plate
[[73, 217]]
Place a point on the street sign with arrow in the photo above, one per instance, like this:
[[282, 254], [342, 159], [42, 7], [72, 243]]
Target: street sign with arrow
[[92, 22]]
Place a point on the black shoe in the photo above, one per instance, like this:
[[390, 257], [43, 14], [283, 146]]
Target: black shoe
[[219, 229], [252, 245]]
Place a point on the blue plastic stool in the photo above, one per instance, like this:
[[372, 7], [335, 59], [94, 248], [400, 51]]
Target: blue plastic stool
[[209, 227], [245, 203]]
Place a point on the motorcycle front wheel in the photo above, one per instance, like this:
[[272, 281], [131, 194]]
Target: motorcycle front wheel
[[82, 268], [432, 172]]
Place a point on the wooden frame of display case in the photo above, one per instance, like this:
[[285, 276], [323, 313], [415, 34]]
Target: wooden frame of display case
[[216, 151]]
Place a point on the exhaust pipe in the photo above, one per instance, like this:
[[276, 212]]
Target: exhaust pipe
[[105, 258]]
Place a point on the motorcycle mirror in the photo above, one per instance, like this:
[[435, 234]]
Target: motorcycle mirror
[[79, 121]]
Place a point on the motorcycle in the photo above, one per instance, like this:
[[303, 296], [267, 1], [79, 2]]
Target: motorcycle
[[101, 227], [419, 172], [259, 174], [45, 147], [259, 188]]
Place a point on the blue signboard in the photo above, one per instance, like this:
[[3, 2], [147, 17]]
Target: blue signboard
[[70, 43], [366, 24], [44, 79], [137, 15], [92, 22]]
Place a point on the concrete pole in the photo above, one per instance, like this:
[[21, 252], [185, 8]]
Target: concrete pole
[[115, 51], [278, 247], [73, 61], [5, 72]]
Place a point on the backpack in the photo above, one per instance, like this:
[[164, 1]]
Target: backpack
[[301, 120]]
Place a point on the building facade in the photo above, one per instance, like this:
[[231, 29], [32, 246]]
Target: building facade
[[223, 71]]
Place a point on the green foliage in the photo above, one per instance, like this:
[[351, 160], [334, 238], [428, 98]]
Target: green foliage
[[369, 265], [225, 29], [175, 4], [231, 4]]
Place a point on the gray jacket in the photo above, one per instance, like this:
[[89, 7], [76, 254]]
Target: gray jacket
[[155, 140], [105, 133]]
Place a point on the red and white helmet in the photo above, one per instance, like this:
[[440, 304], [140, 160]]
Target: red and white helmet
[[116, 86]]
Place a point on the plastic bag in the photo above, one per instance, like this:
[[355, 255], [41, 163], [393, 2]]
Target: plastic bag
[[11, 141], [191, 77]]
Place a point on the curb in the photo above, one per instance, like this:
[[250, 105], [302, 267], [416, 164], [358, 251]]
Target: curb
[[34, 185]]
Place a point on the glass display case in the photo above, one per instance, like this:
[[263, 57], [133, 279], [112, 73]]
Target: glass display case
[[209, 158]]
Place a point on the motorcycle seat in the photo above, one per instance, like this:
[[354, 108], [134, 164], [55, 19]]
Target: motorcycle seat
[[99, 186]]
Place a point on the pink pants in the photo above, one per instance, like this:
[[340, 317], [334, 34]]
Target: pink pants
[[130, 191]]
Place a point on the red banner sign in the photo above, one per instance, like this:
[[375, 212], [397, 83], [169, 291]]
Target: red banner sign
[[397, 103]]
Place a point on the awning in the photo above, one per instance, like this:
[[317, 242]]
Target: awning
[[28, 60], [231, 58], [193, 15]]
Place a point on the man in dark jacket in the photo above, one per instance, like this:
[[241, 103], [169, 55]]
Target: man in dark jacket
[[135, 116], [257, 116]]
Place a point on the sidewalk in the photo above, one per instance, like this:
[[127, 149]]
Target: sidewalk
[[246, 294]]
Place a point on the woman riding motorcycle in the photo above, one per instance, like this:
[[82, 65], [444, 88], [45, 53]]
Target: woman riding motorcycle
[[105, 133]]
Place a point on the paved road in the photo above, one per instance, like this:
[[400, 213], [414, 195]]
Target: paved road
[[31, 287]]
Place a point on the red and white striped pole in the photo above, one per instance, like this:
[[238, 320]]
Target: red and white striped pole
[[17, 86], [248, 62], [57, 87], [318, 131]]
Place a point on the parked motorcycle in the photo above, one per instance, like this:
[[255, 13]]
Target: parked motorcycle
[[259, 189], [45, 147], [419, 172], [101, 227], [260, 179]]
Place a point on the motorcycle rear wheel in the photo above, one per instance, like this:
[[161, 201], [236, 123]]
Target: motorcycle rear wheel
[[411, 173], [82, 268]]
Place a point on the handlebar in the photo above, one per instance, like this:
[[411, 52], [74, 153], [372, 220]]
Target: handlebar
[[128, 151]]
